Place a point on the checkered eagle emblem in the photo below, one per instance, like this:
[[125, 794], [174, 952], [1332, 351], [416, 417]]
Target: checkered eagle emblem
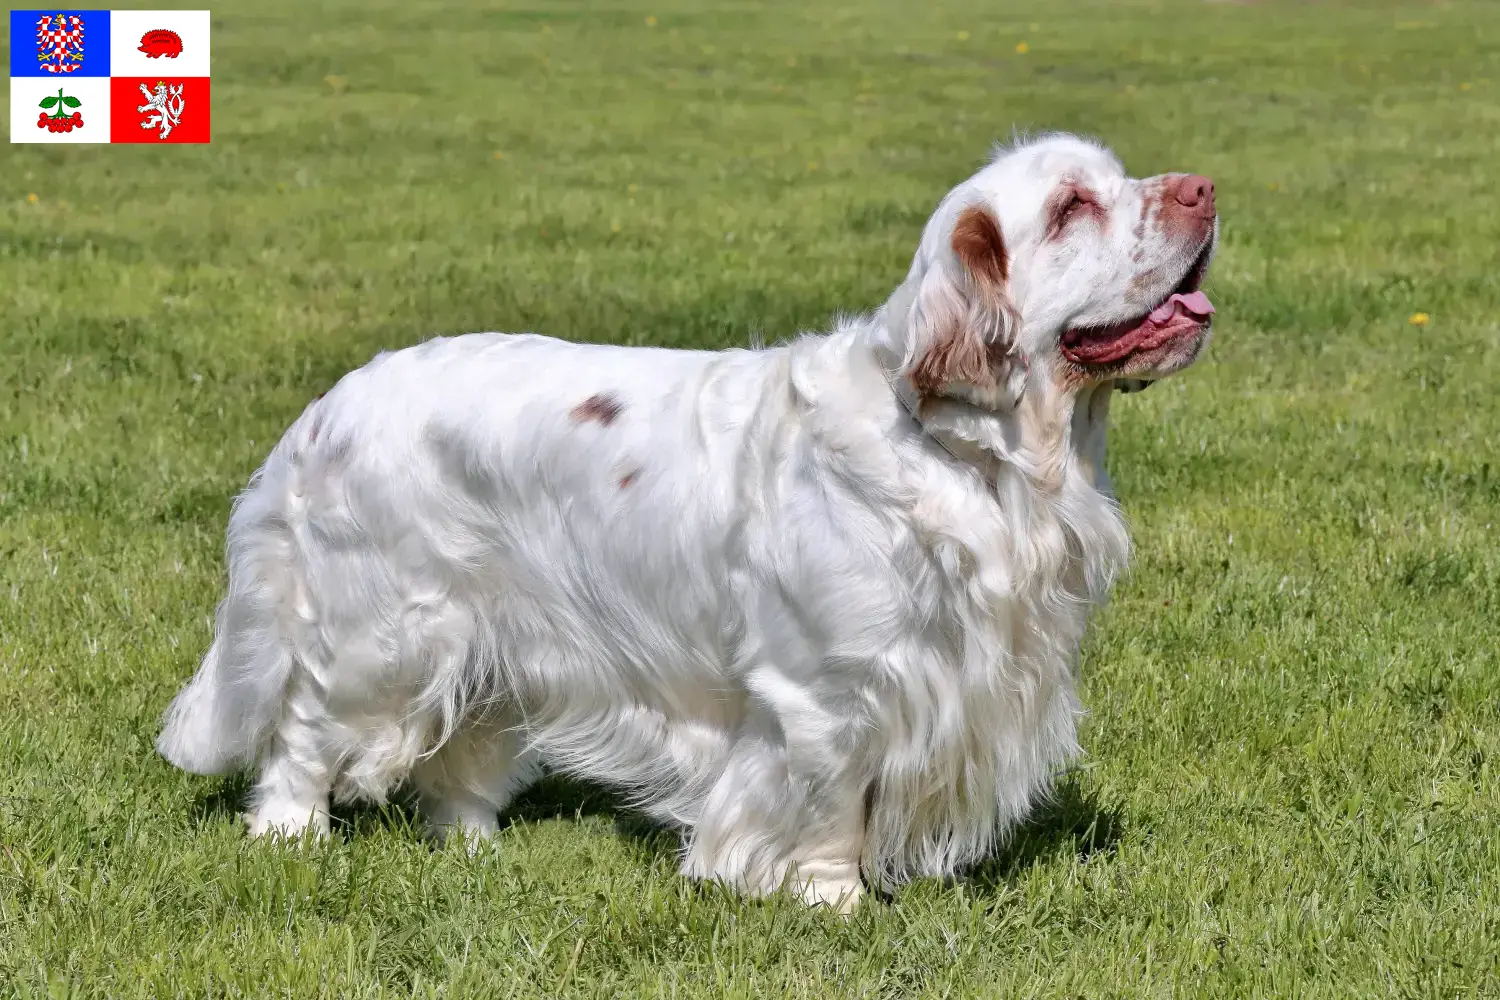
[[59, 42]]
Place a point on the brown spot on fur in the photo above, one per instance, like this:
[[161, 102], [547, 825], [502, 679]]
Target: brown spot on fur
[[980, 247], [600, 408], [1151, 194], [1144, 283], [628, 478]]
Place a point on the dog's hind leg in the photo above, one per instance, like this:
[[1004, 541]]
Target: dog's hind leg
[[466, 782], [291, 793]]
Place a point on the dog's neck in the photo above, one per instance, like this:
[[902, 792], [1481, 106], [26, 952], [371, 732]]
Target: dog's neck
[[1043, 461], [1048, 427]]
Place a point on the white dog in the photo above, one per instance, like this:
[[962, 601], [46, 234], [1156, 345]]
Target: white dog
[[817, 605]]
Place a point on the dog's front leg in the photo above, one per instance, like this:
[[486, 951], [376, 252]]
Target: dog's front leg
[[787, 812]]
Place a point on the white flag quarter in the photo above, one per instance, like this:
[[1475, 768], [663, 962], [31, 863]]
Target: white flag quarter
[[28, 92], [128, 27]]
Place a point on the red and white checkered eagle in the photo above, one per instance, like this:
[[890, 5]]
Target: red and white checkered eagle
[[59, 42]]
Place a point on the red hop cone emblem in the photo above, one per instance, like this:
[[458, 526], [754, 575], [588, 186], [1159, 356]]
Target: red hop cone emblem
[[161, 42]]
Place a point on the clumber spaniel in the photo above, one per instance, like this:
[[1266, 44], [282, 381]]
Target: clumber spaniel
[[817, 605]]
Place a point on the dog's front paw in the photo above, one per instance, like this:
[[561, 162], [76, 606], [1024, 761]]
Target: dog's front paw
[[475, 831], [287, 821], [837, 886], [842, 895]]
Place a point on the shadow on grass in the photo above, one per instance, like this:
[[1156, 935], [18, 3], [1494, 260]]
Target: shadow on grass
[[232, 795], [557, 797], [225, 800], [1070, 823], [553, 797]]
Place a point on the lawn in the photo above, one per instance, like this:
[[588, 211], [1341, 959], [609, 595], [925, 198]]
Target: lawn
[[1292, 780]]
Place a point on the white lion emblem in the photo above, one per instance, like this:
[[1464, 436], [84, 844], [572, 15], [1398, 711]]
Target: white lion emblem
[[167, 102]]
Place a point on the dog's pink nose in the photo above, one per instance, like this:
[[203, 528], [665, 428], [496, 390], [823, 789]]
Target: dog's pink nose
[[1196, 192]]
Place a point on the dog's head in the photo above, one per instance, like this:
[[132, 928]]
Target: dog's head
[[1051, 262]]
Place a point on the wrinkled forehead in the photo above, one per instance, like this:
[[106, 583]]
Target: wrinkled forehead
[[1050, 161], [1023, 177]]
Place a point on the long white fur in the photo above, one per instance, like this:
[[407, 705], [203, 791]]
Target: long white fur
[[760, 598]]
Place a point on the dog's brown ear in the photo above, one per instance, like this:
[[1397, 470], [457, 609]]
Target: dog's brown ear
[[962, 321], [980, 247]]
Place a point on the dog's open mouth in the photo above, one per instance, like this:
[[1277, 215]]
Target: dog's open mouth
[[1184, 312]]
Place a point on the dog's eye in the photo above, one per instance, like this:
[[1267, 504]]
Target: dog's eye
[[1069, 208]]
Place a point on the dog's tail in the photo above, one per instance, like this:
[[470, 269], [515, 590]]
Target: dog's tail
[[213, 725], [218, 722]]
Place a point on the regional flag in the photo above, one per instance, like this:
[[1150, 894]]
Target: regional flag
[[109, 76]]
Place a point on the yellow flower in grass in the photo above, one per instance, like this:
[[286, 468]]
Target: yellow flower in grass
[[651, 21], [1419, 319], [31, 199], [1023, 48]]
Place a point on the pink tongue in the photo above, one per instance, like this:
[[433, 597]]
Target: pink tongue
[[1194, 303]]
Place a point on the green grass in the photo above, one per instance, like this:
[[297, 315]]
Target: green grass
[[1293, 770]]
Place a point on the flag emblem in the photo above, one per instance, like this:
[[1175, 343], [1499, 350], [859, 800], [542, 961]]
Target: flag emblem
[[163, 107], [160, 42], [61, 120], [59, 42]]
